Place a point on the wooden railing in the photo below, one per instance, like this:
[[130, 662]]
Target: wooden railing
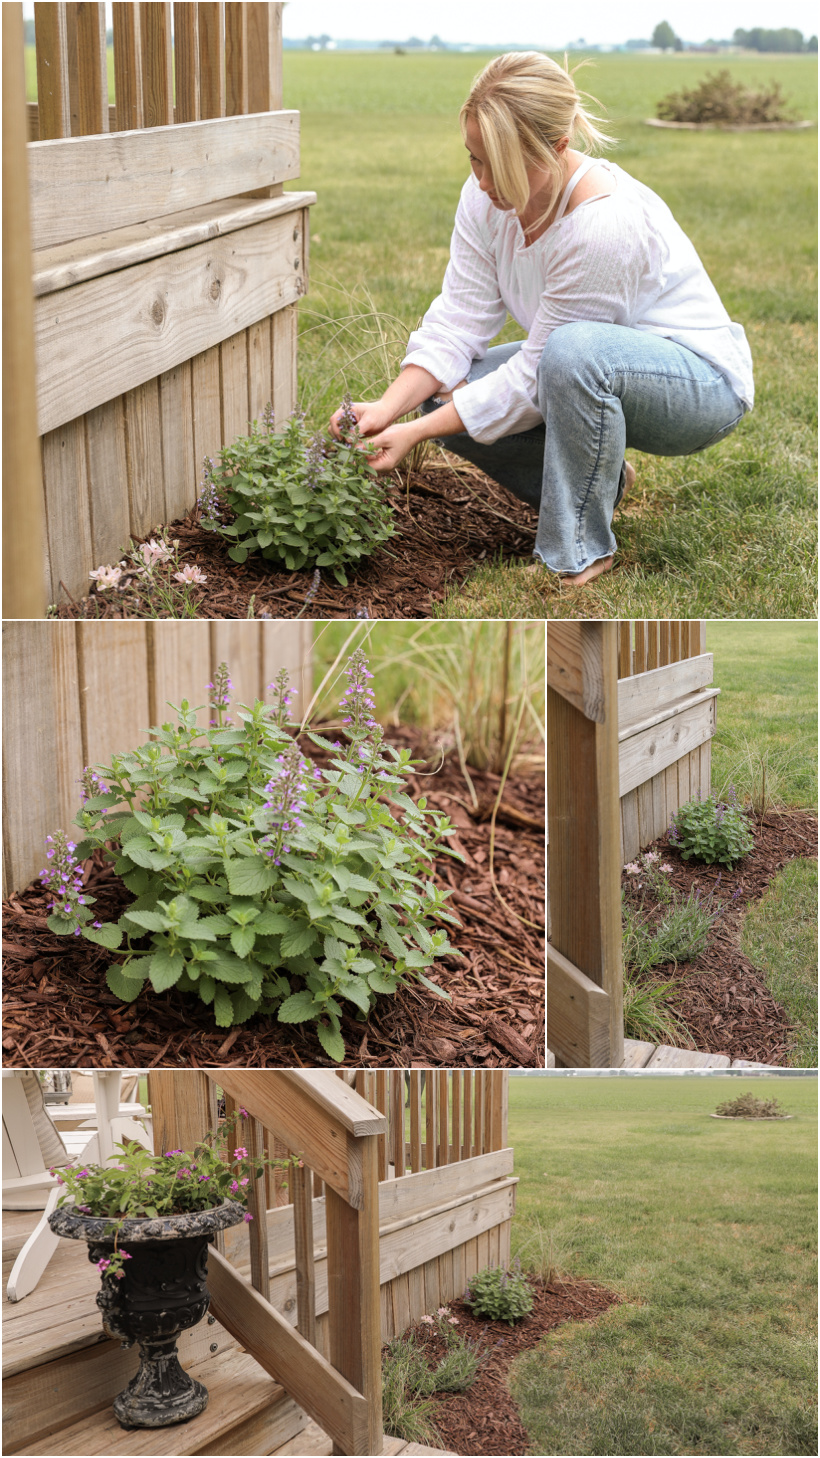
[[336, 1133]]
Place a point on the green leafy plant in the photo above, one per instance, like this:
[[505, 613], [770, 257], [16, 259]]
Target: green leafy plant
[[262, 883], [297, 498], [748, 1106], [712, 830], [720, 100], [410, 1376], [136, 1184], [500, 1295]]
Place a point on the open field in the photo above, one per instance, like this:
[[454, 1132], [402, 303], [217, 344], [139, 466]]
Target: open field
[[708, 1229], [729, 533]]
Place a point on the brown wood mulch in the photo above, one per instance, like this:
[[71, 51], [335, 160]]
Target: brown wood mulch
[[722, 998], [455, 519], [485, 1419], [57, 1008]]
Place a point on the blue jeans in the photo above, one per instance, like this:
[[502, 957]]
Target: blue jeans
[[601, 388]]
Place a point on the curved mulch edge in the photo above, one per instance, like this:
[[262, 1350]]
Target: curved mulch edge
[[485, 1420], [751, 1118], [655, 121]]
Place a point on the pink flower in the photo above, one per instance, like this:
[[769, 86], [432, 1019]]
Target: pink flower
[[428, 1321], [632, 869], [453, 1320], [248, 1217], [667, 870], [245, 1181], [234, 1186], [240, 1152], [443, 1311], [190, 574], [244, 1114]]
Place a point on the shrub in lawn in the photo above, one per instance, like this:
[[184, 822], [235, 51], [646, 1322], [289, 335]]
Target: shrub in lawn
[[262, 884], [500, 1295], [747, 1106], [297, 498], [712, 830], [724, 102]]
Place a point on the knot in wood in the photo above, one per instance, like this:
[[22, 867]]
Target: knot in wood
[[215, 289], [158, 312]]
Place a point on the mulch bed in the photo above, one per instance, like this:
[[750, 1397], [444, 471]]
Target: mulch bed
[[57, 1008], [723, 1000], [485, 1419], [457, 518]]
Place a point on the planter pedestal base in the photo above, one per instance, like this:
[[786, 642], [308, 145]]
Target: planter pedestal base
[[161, 1393]]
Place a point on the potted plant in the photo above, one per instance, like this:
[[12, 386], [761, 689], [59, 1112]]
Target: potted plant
[[148, 1220]]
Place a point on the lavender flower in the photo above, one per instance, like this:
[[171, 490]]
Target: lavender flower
[[220, 692], [268, 418], [91, 784], [348, 422], [315, 584], [357, 701], [287, 789], [64, 879], [209, 504], [283, 696]]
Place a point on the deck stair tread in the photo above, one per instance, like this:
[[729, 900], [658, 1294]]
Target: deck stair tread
[[638, 1054], [312, 1442], [239, 1391]]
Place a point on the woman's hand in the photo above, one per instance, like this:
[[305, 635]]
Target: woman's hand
[[392, 445], [371, 418]]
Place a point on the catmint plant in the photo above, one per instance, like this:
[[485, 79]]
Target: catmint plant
[[261, 883], [500, 1295], [298, 499], [712, 830]]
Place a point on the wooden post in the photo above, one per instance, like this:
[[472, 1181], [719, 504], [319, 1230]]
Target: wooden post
[[157, 70], [24, 594], [415, 1121], [51, 39], [183, 1108], [583, 813], [354, 1303]]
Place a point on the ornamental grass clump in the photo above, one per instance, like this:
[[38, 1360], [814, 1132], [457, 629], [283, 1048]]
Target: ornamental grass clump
[[136, 1184], [712, 830], [721, 101], [262, 883], [500, 1295], [297, 498], [747, 1106]]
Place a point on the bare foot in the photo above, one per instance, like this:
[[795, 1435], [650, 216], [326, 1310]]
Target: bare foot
[[580, 579], [630, 481]]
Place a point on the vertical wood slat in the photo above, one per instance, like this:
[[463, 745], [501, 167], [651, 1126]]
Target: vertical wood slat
[[92, 70], [443, 1156], [397, 1121], [456, 1084], [157, 64], [211, 60], [236, 60], [177, 442], [302, 1186], [283, 366], [234, 383], [68, 520], [478, 1101], [24, 537], [467, 1137], [254, 1135], [207, 407], [186, 62], [430, 1100], [264, 71], [624, 649], [107, 469], [128, 93], [415, 1121], [380, 1102], [143, 434], [51, 43], [354, 1314], [28, 718]]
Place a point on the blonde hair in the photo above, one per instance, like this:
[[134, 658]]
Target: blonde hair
[[524, 103]]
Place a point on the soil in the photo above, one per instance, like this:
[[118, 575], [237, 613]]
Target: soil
[[485, 1419], [57, 1008], [454, 519], [721, 997]]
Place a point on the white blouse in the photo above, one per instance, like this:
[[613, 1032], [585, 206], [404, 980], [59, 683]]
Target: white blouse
[[616, 259]]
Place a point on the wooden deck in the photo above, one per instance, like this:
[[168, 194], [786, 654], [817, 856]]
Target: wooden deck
[[60, 1374], [654, 1056]]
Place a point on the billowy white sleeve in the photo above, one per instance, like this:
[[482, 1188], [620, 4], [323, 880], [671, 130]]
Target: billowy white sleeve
[[595, 272], [469, 311]]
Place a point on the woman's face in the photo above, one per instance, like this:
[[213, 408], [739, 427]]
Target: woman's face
[[539, 179]]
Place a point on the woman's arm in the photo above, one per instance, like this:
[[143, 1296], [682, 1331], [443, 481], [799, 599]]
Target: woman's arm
[[397, 441], [413, 385]]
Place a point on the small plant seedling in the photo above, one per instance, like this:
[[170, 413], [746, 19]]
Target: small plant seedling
[[297, 499], [500, 1295], [712, 830], [261, 883]]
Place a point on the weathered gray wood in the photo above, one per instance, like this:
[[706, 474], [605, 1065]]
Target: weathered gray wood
[[686, 1058], [167, 311], [68, 523], [683, 729], [80, 259], [636, 1053], [86, 185], [646, 694]]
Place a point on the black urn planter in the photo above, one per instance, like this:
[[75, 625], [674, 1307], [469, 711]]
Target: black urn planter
[[162, 1293]]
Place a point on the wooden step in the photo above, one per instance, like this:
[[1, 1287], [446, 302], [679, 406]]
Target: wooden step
[[247, 1413], [312, 1441]]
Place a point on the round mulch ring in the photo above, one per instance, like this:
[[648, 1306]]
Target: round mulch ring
[[721, 997], [485, 1419], [750, 1119], [453, 520], [57, 1008], [676, 126]]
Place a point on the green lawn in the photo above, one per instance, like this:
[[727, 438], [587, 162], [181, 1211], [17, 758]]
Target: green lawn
[[726, 534], [708, 1229], [767, 710]]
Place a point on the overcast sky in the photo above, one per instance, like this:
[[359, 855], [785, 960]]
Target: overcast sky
[[480, 22], [483, 23]]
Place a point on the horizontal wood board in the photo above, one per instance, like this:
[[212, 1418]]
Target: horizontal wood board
[[166, 310], [74, 693], [86, 185]]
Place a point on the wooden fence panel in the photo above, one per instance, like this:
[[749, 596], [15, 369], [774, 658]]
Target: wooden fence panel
[[75, 693]]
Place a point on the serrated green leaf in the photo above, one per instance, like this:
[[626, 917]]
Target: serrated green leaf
[[250, 875], [244, 1006], [272, 923], [223, 1008], [298, 1008], [299, 940], [59, 926], [380, 983], [434, 988], [395, 943], [332, 1042], [152, 921], [126, 988], [211, 894], [166, 969], [356, 990], [104, 936], [242, 940]]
